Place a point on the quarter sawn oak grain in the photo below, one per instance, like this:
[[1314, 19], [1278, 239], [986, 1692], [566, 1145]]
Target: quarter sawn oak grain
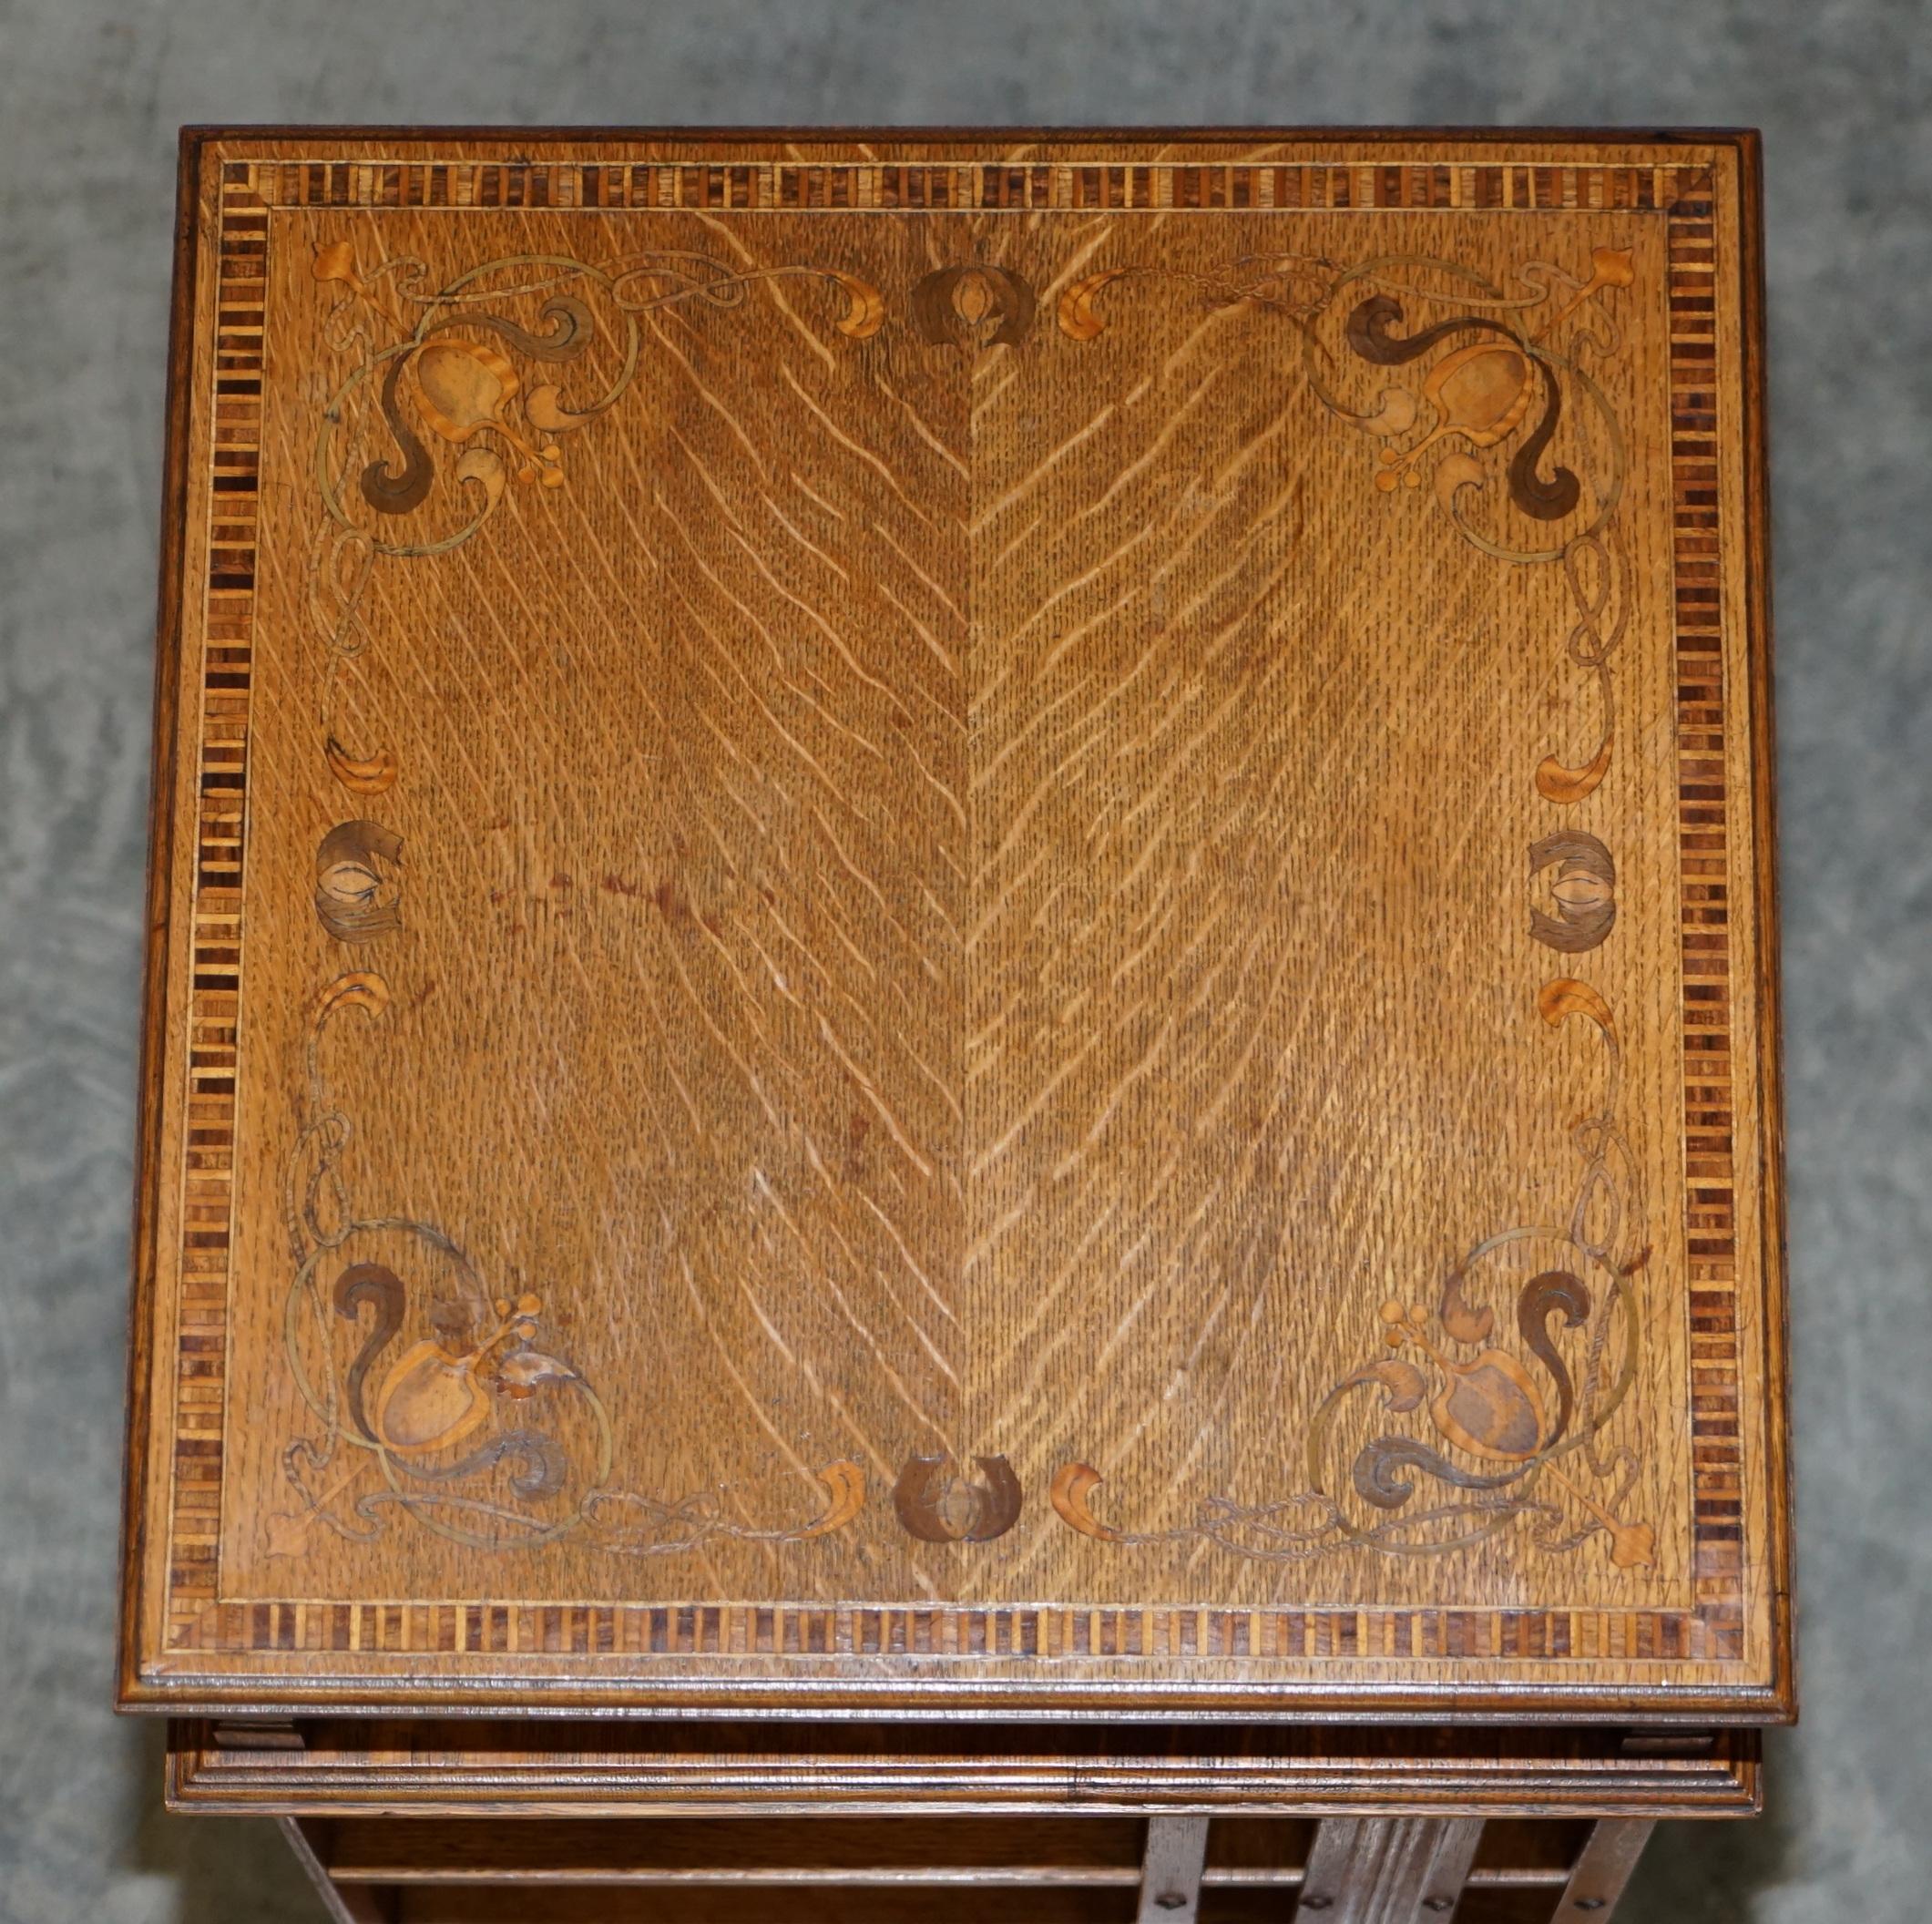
[[961, 919]]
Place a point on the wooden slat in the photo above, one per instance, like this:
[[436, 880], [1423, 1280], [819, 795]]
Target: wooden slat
[[1389, 1870], [1601, 1872], [346, 1903], [1177, 1848]]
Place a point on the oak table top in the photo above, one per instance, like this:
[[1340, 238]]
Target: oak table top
[[963, 921]]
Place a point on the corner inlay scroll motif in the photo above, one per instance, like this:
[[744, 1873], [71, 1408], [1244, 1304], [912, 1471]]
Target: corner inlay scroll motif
[[1537, 1436], [431, 1395], [432, 376], [1519, 355]]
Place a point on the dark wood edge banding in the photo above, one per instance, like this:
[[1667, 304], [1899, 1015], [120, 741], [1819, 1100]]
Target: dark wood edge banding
[[1761, 692], [157, 943]]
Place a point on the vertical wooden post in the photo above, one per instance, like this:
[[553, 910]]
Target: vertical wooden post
[[1177, 1848], [1603, 1867], [345, 1903], [1389, 1870]]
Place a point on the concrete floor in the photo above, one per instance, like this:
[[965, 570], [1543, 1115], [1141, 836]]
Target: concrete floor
[[90, 94]]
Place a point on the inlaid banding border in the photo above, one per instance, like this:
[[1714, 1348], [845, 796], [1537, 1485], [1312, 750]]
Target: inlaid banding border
[[1703, 891], [402, 1629], [214, 989], [199, 1620], [971, 186]]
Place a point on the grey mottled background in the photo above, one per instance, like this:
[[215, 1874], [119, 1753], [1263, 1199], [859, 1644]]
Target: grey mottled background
[[90, 94]]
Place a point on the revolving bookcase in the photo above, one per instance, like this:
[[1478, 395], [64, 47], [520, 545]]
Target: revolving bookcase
[[962, 1018]]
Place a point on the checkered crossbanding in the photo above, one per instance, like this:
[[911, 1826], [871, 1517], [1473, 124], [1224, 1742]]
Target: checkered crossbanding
[[887, 187]]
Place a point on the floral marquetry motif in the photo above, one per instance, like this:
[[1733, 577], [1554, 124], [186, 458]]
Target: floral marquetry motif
[[945, 922]]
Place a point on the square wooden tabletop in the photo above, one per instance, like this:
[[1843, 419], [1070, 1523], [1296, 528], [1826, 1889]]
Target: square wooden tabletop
[[963, 921]]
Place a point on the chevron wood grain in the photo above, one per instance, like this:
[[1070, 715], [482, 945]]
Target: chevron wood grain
[[962, 920]]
